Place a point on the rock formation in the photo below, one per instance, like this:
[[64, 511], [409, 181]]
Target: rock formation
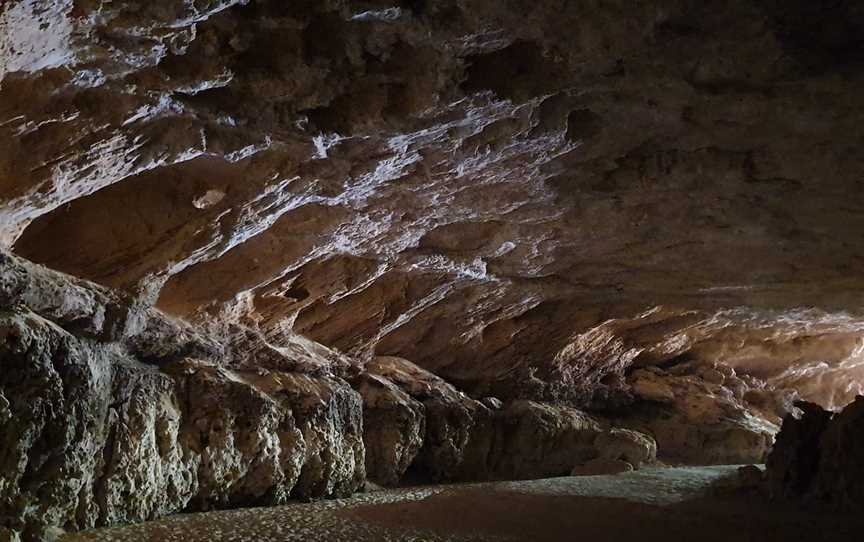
[[98, 432], [113, 413], [817, 457], [523, 198], [704, 415], [288, 245]]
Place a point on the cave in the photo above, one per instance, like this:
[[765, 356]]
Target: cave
[[431, 270]]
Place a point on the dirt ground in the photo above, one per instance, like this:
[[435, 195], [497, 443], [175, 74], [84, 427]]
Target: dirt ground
[[552, 518], [661, 504]]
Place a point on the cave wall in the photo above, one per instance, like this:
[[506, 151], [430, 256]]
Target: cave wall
[[460, 239], [525, 198], [112, 412]]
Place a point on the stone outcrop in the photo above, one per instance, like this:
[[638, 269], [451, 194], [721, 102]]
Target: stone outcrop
[[704, 415], [818, 456], [394, 428], [113, 413], [446, 435], [94, 434], [524, 198]]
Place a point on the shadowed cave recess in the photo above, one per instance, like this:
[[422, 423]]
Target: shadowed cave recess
[[255, 252]]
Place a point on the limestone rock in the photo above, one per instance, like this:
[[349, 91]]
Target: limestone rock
[[93, 435], [465, 440], [650, 386], [536, 440], [703, 422], [394, 428], [458, 429]]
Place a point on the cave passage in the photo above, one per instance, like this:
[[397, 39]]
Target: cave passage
[[431, 269]]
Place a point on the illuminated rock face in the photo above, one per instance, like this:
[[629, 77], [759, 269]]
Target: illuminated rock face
[[99, 429], [650, 212], [111, 412]]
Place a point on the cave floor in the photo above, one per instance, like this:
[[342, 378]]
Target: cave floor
[[677, 504]]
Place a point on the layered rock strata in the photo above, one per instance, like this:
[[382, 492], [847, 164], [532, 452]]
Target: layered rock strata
[[451, 436], [704, 415]]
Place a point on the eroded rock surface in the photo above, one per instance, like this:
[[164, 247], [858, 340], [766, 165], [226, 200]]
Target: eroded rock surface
[[112, 413], [455, 437], [704, 415], [94, 434], [574, 219], [523, 198]]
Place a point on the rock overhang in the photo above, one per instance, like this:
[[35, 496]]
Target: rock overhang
[[529, 200]]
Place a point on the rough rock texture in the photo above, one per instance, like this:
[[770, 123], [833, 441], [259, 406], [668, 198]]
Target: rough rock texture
[[394, 428], [562, 213], [525, 198], [111, 412], [818, 456], [95, 434], [704, 415], [450, 436]]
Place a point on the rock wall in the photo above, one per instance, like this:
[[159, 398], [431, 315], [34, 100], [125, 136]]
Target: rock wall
[[704, 415], [93, 436], [525, 198], [456, 437], [95, 433], [818, 457], [112, 413]]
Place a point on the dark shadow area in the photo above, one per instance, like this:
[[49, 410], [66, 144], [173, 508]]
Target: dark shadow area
[[550, 518]]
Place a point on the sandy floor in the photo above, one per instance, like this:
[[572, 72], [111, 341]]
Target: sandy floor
[[654, 504]]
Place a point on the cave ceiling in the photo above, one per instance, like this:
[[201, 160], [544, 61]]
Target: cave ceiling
[[525, 198]]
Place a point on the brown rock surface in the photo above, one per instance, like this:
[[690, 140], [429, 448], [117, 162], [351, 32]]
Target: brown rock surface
[[570, 217], [464, 439], [94, 433], [699, 421], [524, 198]]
